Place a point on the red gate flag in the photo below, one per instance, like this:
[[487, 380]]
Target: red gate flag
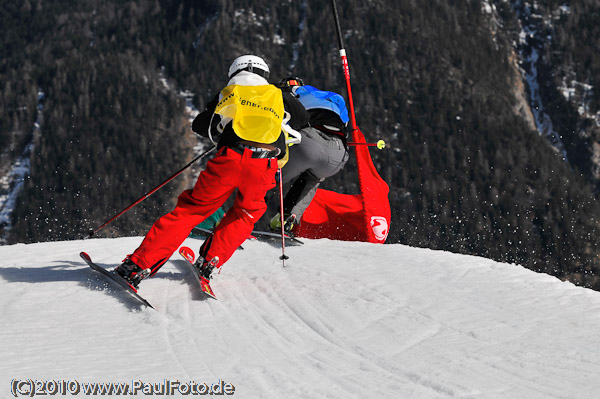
[[351, 217], [359, 217]]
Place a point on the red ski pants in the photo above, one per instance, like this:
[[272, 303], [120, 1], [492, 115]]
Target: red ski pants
[[227, 171]]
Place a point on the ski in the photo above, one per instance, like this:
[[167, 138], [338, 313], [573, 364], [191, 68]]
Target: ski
[[270, 236], [266, 236], [112, 276], [188, 254]]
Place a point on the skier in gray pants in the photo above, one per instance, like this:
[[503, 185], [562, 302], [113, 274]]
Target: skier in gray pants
[[322, 152]]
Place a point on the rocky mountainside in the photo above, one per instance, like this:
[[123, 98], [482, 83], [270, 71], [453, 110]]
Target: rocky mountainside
[[489, 108]]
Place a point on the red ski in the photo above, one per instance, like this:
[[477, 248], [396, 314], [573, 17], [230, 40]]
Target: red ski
[[188, 254]]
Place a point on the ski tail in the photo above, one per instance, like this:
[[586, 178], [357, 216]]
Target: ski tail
[[188, 254], [205, 287]]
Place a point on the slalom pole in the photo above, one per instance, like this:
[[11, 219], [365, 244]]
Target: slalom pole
[[149, 193], [283, 256], [380, 144], [346, 69]]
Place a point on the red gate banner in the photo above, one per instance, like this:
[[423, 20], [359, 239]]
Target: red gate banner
[[351, 217]]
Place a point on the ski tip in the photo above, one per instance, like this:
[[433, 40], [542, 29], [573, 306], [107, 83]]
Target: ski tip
[[188, 254], [85, 256]]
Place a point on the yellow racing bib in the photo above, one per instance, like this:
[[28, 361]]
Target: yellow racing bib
[[256, 111]]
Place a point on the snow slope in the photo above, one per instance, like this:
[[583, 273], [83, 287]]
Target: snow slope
[[342, 320]]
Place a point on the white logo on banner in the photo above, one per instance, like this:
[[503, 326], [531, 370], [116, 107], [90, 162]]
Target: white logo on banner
[[380, 227]]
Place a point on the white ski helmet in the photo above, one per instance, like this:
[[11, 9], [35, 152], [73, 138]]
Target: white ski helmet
[[250, 63]]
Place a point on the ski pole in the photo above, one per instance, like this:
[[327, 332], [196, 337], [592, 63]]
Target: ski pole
[[149, 193], [380, 144], [283, 256]]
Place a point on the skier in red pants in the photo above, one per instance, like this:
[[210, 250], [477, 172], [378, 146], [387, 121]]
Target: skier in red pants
[[248, 115]]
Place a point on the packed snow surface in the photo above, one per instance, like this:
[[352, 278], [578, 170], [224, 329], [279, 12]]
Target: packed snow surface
[[341, 320]]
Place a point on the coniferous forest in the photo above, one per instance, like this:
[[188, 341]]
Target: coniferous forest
[[91, 94]]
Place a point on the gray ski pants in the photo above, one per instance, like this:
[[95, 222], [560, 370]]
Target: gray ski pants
[[316, 158]]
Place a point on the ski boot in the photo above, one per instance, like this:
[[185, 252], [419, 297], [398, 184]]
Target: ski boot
[[132, 273], [205, 268], [288, 223]]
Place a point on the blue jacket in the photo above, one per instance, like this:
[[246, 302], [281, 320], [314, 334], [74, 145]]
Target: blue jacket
[[313, 98]]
